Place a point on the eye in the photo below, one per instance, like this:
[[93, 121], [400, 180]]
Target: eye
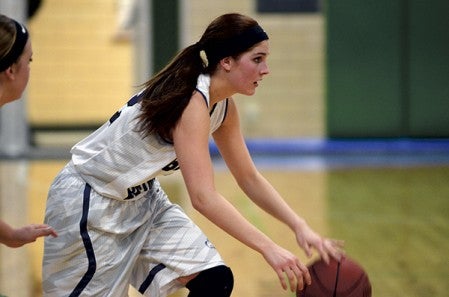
[[258, 59]]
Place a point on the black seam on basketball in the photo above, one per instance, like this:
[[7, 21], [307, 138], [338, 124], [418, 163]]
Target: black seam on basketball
[[318, 281], [355, 285], [336, 280]]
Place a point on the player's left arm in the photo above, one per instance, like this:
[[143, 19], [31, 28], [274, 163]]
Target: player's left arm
[[234, 151], [232, 147]]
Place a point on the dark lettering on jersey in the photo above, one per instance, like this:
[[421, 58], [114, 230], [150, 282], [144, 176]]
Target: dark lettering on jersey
[[172, 166], [134, 99], [137, 190], [114, 117]]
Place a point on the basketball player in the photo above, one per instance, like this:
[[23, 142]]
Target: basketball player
[[15, 57], [116, 224]]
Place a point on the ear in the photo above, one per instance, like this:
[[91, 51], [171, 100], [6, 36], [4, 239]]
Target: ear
[[226, 63], [10, 72]]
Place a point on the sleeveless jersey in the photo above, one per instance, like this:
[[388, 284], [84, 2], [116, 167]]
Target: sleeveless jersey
[[118, 162]]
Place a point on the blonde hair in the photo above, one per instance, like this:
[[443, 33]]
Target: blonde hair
[[7, 35], [13, 39]]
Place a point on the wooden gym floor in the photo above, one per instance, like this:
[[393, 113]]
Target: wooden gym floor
[[394, 222]]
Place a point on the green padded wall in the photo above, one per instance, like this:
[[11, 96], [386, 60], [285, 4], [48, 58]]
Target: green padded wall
[[429, 68], [387, 68], [363, 68], [165, 41]]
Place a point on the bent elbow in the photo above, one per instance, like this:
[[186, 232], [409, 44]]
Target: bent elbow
[[198, 204], [201, 203]]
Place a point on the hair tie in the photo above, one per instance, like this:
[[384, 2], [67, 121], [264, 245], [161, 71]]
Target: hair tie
[[203, 57]]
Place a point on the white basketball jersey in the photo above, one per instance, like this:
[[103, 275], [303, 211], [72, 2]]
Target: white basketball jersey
[[117, 162]]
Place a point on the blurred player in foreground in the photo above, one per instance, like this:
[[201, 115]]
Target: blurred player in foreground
[[15, 57]]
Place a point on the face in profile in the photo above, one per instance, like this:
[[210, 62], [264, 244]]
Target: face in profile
[[250, 68], [17, 75]]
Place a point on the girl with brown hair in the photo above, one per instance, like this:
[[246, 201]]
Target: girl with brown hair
[[117, 226]]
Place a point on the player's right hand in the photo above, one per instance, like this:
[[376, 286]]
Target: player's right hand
[[288, 268]]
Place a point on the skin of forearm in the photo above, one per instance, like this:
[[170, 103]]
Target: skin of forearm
[[260, 191], [223, 214]]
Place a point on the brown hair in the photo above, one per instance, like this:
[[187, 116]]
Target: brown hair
[[7, 35], [167, 94]]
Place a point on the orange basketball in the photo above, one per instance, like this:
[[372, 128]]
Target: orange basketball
[[337, 279]]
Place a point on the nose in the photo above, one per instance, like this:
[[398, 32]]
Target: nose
[[265, 70]]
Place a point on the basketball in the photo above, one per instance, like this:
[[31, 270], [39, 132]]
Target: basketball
[[338, 279]]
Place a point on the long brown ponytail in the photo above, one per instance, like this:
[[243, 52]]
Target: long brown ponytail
[[167, 94]]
